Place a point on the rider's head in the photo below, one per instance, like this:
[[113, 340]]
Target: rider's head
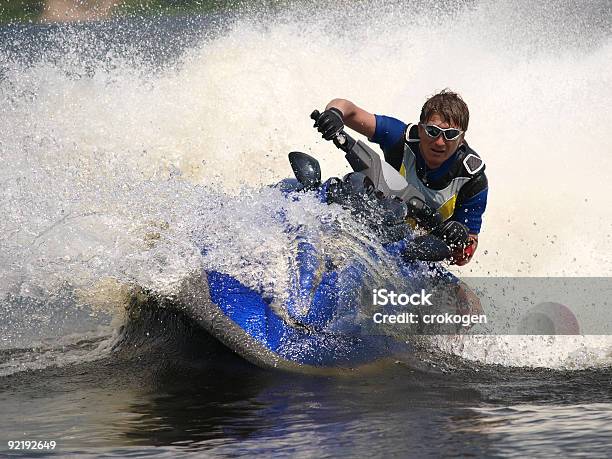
[[445, 110]]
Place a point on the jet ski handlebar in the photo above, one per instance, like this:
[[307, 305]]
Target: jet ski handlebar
[[341, 140]]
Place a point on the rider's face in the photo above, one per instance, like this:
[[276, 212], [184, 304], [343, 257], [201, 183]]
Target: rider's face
[[436, 151]]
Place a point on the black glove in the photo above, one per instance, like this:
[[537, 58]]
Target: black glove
[[423, 214], [455, 234], [330, 123]]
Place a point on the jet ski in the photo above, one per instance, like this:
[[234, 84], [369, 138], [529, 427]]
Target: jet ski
[[322, 324]]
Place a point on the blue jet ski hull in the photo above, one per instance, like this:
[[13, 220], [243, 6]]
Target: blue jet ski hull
[[244, 321]]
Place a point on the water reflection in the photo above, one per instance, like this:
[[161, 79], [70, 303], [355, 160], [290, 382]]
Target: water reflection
[[168, 396]]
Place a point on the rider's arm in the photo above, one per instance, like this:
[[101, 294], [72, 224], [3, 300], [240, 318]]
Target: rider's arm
[[471, 210], [355, 117], [470, 213]]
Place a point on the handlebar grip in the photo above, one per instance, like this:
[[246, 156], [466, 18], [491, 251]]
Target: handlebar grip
[[341, 139]]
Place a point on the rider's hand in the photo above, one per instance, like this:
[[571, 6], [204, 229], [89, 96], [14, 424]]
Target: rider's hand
[[330, 123], [462, 256]]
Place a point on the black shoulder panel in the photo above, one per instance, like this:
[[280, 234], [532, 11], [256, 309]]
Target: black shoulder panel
[[472, 163], [395, 155], [468, 164]]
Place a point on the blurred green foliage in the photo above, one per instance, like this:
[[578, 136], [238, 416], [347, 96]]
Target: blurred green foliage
[[168, 6], [30, 10], [20, 10]]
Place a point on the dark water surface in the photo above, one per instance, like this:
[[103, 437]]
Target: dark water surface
[[121, 408]]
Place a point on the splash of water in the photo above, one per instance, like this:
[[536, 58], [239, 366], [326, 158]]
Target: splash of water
[[112, 163]]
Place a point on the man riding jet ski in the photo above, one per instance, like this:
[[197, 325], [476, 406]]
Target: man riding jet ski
[[324, 321], [432, 156]]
